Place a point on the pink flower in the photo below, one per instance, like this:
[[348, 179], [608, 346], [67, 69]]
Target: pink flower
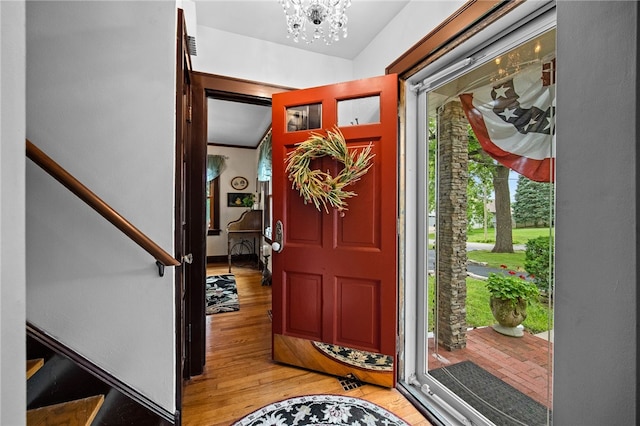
[[512, 273]]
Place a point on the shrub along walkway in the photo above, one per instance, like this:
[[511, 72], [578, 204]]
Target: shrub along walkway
[[523, 362]]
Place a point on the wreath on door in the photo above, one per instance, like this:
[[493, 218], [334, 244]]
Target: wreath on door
[[319, 187]]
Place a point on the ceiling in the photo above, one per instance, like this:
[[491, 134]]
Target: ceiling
[[265, 20], [237, 124]]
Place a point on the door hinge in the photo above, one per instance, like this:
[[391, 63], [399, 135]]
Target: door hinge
[[189, 333], [190, 114]]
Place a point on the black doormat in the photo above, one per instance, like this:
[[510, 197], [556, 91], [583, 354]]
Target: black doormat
[[498, 401]]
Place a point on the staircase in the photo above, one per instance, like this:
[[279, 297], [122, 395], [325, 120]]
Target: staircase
[[60, 392], [63, 387]]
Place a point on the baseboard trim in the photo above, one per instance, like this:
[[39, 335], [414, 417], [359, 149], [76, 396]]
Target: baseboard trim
[[217, 259], [84, 363], [224, 259]]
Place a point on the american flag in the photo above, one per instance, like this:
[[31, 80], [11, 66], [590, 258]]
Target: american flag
[[514, 120]]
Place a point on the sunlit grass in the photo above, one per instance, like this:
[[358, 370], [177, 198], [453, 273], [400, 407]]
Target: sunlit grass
[[478, 310], [519, 235], [514, 261]]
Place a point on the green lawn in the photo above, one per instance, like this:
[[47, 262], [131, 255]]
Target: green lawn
[[514, 261], [520, 235]]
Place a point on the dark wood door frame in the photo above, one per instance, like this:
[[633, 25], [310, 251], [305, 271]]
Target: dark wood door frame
[[183, 135], [205, 86]]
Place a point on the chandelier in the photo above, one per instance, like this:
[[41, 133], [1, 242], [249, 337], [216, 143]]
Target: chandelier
[[324, 19]]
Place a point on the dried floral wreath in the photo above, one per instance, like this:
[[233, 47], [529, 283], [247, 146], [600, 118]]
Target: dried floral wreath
[[318, 186]]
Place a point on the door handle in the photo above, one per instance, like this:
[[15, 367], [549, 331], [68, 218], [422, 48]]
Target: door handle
[[276, 246]]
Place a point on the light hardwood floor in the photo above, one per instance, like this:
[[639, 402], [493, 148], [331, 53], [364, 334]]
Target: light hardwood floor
[[240, 377]]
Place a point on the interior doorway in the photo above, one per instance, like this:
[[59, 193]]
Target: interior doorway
[[206, 86]]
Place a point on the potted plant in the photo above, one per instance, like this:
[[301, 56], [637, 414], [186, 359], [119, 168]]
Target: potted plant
[[510, 294], [247, 201]]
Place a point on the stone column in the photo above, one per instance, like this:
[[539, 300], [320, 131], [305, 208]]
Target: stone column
[[452, 227]]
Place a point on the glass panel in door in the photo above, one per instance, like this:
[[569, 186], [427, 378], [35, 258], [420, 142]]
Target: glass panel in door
[[490, 251]]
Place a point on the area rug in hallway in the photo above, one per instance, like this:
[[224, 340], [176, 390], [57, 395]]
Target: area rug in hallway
[[221, 294], [322, 410], [496, 400]]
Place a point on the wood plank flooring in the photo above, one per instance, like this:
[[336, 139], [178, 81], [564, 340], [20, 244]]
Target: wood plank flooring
[[239, 376]]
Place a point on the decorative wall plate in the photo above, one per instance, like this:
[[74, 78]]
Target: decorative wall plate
[[239, 183]]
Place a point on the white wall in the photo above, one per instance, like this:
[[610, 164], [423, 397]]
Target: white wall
[[12, 211], [240, 162], [596, 296], [223, 53], [408, 27], [101, 102]]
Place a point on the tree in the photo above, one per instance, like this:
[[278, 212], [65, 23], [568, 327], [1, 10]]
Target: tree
[[504, 236], [479, 192], [532, 202], [500, 179]]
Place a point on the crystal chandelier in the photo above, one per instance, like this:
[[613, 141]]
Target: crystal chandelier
[[326, 19]]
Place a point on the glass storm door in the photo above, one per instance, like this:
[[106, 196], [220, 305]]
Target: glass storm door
[[488, 129]]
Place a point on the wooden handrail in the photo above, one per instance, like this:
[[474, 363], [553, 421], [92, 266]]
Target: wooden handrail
[[85, 194]]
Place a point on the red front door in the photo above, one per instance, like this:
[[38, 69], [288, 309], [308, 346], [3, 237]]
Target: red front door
[[335, 278]]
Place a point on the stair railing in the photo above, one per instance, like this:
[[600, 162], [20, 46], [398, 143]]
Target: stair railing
[[85, 194]]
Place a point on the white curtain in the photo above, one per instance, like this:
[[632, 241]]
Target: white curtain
[[215, 166], [264, 159]]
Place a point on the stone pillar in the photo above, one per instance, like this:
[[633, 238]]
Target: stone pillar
[[452, 227]]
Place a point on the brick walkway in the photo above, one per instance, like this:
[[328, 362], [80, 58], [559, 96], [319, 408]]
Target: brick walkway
[[524, 362]]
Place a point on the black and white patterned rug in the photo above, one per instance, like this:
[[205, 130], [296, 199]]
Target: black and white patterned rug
[[357, 358], [221, 294], [322, 410]]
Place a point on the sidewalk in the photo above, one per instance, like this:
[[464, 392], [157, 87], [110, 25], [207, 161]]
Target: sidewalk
[[489, 246]]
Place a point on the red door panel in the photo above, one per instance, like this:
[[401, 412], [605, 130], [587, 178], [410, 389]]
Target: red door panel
[[304, 227], [303, 304], [335, 279], [361, 227], [358, 320]]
